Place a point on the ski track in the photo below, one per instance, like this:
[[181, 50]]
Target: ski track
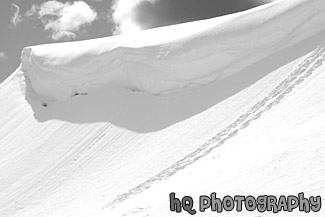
[[295, 78]]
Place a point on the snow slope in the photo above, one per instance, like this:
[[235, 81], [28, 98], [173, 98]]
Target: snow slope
[[115, 152]]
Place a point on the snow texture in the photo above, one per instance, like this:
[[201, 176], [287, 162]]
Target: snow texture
[[258, 129]]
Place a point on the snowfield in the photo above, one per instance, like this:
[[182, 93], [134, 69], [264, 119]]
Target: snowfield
[[76, 142]]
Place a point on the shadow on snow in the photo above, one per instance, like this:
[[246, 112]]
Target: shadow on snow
[[143, 113]]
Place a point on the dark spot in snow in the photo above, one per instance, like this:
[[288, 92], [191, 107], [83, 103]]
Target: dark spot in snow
[[77, 94], [44, 104]]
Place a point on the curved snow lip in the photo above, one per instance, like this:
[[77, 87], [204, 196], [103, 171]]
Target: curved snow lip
[[172, 58]]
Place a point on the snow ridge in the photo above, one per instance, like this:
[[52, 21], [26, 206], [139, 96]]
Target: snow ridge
[[169, 59]]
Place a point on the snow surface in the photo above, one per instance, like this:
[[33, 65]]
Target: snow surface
[[115, 152], [171, 58]]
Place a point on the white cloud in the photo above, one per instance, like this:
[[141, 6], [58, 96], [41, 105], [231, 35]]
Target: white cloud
[[63, 20], [3, 56], [123, 16], [16, 17]]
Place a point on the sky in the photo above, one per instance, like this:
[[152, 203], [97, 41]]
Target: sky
[[32, 22]]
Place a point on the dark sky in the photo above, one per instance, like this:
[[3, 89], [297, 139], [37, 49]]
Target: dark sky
[[22, 26], [167, 12]]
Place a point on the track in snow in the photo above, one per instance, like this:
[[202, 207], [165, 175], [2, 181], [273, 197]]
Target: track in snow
[[295, 78]]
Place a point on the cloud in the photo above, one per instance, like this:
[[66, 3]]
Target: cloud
[[3, 56], [16, 17], [124, 15], [63, 20]]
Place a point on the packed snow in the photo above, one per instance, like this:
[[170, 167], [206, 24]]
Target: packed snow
[[76, 142]]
